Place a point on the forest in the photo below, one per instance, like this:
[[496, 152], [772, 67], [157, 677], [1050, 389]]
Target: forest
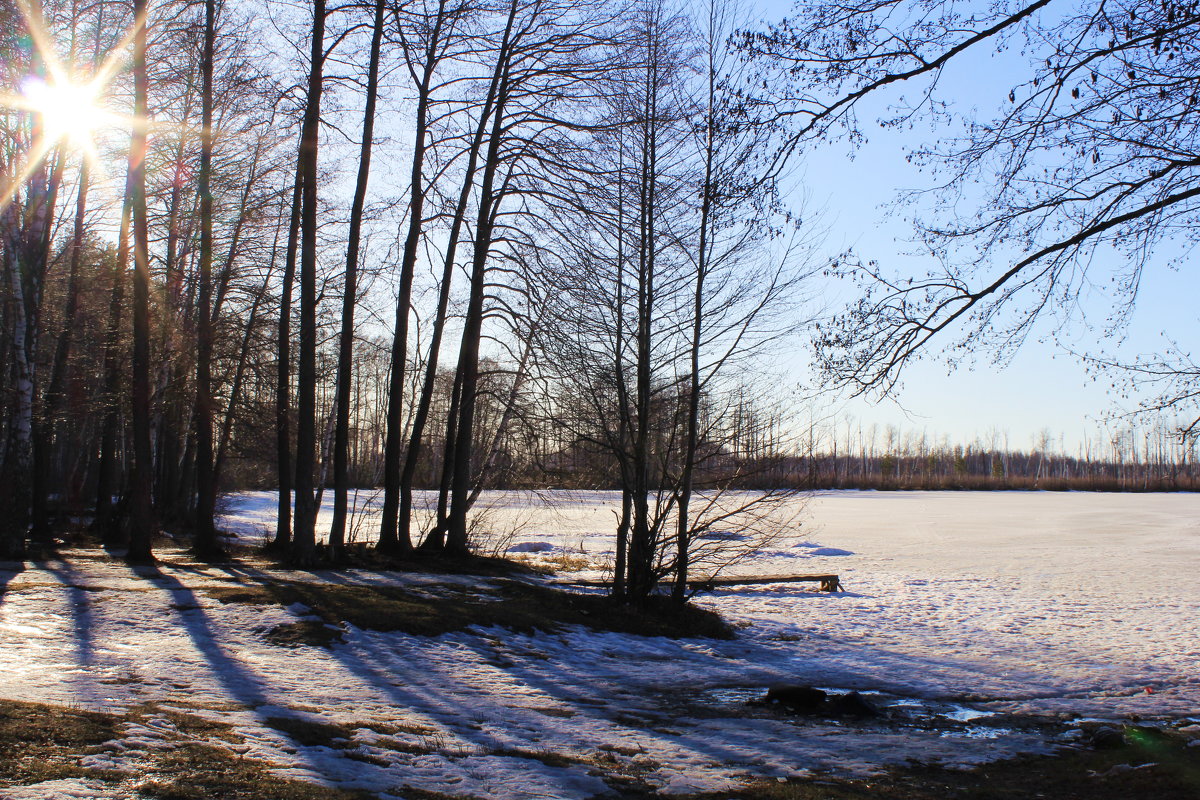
[[464, 244]]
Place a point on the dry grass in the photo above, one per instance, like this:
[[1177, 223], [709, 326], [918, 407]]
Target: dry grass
[[556, 562], [43, 743], [40, 742], [515, 605], [196, 771], [311, 733]]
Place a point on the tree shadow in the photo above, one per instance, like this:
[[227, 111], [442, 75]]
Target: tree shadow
[[9, 570], [83, 617]]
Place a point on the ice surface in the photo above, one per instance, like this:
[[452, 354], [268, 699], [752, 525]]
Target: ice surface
[[1012, 603]]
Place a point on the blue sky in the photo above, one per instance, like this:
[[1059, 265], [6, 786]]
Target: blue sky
[[1043, 386]]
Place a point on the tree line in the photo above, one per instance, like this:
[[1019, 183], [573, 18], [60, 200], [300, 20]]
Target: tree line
[[1130, 458], [576, 251], [450, 244]]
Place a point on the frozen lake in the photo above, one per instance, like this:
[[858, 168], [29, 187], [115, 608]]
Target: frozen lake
[[1040, 602], [978, 608]]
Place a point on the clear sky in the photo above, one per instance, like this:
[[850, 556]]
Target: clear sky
[[1043, 386]]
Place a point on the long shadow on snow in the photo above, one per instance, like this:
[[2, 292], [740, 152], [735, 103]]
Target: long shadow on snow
[[720, 735], [400, 668], [9, 570], [83, 618], [243, 684], [597, 698]]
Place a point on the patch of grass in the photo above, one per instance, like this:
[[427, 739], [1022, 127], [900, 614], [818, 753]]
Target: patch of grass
[[551, 711], [364, 556], [413, 793], [557, 562], [367, 758], [43, 742], [546, 757], [196, 771], [517, 605], [311, 632], [392, 728], [201, 728], [311, 733]]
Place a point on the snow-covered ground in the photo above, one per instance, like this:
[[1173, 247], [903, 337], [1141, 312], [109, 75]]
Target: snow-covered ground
[[1006, 603]]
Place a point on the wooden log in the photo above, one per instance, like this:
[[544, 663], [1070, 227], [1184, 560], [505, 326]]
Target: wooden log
[[829, 583]]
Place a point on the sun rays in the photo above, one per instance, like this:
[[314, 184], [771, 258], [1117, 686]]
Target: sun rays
[[69, 105]]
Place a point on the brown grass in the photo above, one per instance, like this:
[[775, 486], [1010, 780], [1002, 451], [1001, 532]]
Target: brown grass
[[40, 742], [311, 733], [515, 605], [196, 771], [556, 562], [43, 743]]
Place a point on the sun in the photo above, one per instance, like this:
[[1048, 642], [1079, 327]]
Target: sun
[[68, 107], [68, 113]]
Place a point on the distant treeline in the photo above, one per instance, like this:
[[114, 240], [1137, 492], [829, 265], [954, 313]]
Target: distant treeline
[[969, 469], [1132, 459]]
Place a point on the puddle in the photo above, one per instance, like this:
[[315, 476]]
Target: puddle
[[977, 732], [956, 719], [734, 695]]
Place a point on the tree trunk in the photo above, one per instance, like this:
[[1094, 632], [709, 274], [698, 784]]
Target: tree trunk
[[206, 544], [53, 398], [141, 519], [304, 541], [436, 539], [468, 357], [106, 522], [692, 422], [283, 381], [341, 443], [18, 455]]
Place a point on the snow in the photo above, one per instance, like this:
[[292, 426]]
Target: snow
[[66, 788], [971, 607]]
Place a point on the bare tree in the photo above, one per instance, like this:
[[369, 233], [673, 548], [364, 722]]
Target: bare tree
[[142, 525], [1090, 150], [427, 36], [206, 486], [341, 445], [304, 537]]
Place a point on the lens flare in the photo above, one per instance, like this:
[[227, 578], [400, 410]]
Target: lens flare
[[68, 113]]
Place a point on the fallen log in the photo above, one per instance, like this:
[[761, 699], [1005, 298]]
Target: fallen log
[[829, 583]]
